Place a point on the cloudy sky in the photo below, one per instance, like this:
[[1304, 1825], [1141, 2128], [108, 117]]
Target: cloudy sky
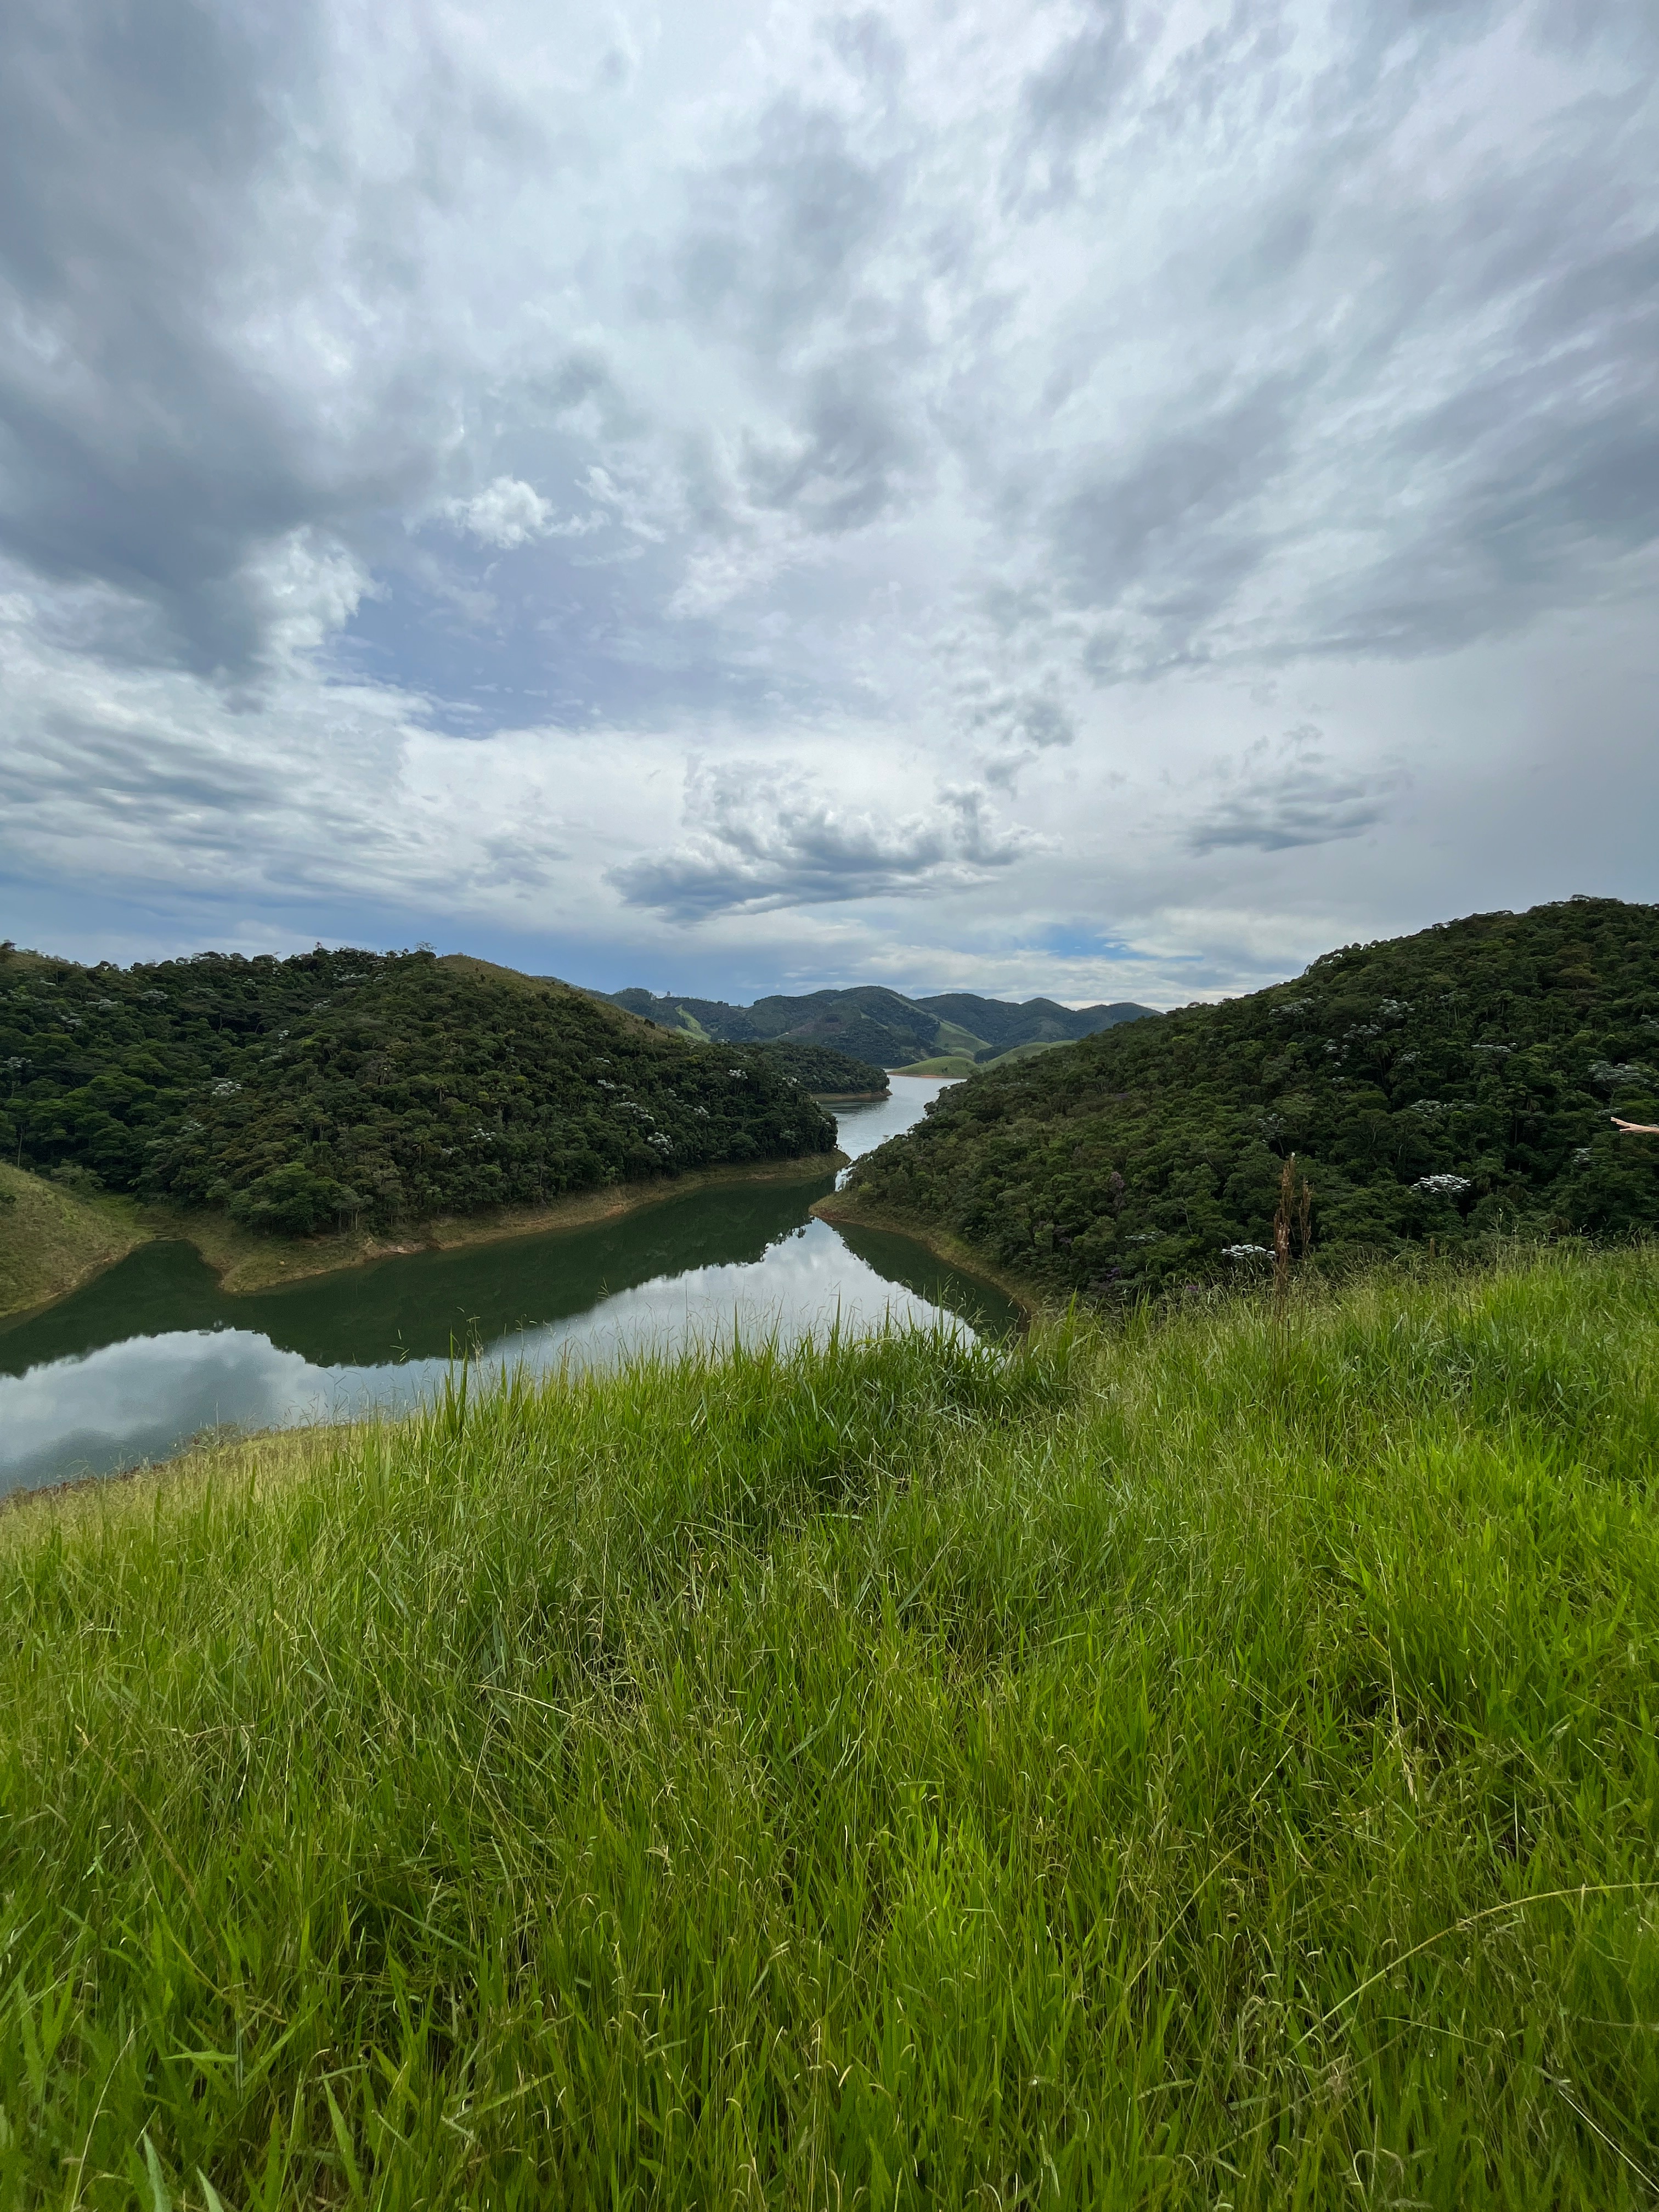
[[1094, 498]]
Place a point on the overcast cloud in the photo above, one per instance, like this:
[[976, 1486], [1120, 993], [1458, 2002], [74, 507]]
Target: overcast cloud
[[1089, 498]]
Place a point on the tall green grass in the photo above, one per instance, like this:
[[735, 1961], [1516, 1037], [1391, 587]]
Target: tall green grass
[[1207, 1762]]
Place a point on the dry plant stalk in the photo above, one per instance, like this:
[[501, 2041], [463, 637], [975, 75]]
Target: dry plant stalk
[[1294, 1215]]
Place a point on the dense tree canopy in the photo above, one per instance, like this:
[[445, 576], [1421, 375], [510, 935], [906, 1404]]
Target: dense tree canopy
[[1452, 1084], [820, 1068], [352, 1085]]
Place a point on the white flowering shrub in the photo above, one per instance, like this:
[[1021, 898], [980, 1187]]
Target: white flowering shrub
[[1443, 1185], [1619, 1074]]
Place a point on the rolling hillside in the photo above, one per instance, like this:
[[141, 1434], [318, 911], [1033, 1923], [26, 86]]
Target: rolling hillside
[[1446, 1086], [883, 1026], [349, 1086]]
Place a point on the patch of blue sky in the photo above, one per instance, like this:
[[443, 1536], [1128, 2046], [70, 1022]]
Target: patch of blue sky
[[544, 634], [131, 923], [1073, 940]]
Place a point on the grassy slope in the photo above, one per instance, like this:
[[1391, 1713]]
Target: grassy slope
[[51, 1242], [1213, 1763], [963, 1064], [953, 1037], [1017, 1053], [944, 1063]]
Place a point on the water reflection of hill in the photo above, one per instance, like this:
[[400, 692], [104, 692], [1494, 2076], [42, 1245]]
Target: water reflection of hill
[[900, 1260], [417, 1307]]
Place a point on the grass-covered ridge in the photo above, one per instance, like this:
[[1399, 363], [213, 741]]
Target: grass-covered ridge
[[355, 1087], [52, 1238], [1454, 1085], [1202, 1762]]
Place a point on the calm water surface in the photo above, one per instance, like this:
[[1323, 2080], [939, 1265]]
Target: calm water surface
[[153, 1352]]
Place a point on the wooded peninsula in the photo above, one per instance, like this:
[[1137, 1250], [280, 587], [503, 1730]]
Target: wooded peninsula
[[352, 1088]]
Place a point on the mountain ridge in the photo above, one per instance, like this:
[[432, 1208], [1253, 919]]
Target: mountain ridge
[[877, 1024]]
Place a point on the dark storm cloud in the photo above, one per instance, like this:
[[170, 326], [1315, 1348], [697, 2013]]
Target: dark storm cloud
[[864, 395], [1289, 795], [134, 453], [180, 393], [1477, 425], [777, 258], [1165, 518], [856, 456]]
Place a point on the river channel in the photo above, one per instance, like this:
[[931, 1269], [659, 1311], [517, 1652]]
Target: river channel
[[153, 1352]]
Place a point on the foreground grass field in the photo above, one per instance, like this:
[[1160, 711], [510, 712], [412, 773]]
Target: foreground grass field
[[1207, 1764]]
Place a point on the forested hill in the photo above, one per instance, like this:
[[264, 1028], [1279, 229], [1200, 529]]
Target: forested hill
[[355, 1086], [883, 1026], [1449, 1084], [824, 1072]]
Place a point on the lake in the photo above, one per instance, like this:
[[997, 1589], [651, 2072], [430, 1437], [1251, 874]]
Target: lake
[[153, 1352]]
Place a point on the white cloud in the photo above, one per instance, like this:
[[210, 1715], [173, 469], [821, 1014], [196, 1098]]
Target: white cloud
[[506, 513], [762, 842], [968, 440]]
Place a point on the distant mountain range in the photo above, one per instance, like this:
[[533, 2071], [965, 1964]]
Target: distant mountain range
[[876, 1024]]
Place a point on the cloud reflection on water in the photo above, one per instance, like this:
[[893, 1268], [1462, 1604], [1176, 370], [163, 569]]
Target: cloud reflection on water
[[140, 1399]]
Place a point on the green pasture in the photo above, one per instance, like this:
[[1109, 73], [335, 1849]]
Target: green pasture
[[1208, 1759]]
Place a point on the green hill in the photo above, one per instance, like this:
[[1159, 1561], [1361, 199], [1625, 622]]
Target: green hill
[[1162, 1765], [999, 1027], [349, 1086], [881, 1025], [1447, 1086], [822, 1070]]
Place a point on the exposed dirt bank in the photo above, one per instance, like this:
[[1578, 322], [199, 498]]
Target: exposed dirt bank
[[51, 1243]]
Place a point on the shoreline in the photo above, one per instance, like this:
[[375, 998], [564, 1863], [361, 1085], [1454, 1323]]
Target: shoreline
[[245, 1262], [840, 1205]]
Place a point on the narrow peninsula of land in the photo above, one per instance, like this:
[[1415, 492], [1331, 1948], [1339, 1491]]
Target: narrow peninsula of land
[[291, 1116]]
